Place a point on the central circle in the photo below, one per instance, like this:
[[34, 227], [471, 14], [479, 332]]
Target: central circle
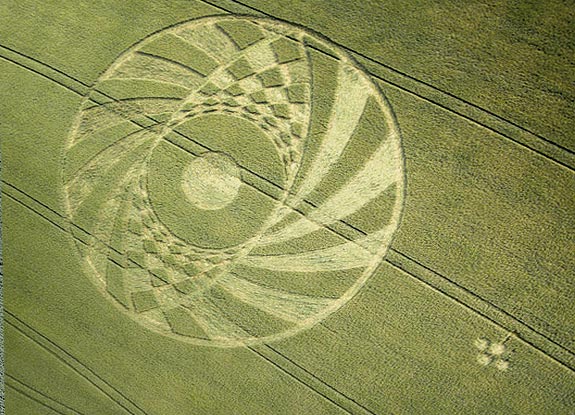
[[211, 181]]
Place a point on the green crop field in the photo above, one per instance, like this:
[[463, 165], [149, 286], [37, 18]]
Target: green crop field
[[298, 207]]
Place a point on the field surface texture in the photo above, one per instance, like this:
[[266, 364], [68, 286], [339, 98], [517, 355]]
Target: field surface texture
[[288, 207]]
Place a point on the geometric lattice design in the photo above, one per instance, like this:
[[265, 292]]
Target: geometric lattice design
[[240, 179]]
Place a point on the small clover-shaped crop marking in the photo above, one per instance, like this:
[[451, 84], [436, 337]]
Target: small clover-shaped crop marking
[[493, 353]]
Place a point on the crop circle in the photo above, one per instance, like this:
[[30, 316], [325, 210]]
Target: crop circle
[[233, 180]]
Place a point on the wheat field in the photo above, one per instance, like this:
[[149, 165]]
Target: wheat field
[[299, 207]]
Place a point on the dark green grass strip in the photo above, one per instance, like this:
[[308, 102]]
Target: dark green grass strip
[[39, 397], [18, 399], [308, 379], [106, 388], [44, 70]]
